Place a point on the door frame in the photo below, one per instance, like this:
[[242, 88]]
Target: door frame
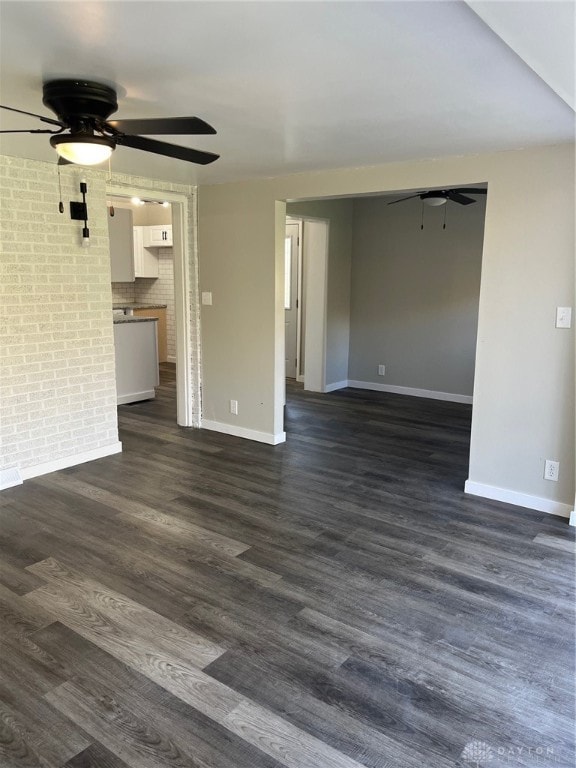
[[314, 233], [315, 242], [299, 284], [187, 374]]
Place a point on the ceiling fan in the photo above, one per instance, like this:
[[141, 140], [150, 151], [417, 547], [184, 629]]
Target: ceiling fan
[[83, 134], [441, 196]]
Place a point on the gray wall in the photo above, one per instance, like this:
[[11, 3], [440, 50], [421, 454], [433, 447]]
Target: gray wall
[[415, 294], [524, 382], [339, 213]]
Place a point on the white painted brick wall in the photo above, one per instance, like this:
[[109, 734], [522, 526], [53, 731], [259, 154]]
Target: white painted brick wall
[[57, 381], [57, 343]]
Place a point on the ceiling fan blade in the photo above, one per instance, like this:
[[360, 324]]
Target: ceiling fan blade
[[32, 114], [470, 191], [402, 199], [169, 150], [174, 126], [32, 130], [456, 197]]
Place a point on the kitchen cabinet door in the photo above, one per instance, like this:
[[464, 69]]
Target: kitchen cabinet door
[[158, 236], [146, 262], [121, 236]]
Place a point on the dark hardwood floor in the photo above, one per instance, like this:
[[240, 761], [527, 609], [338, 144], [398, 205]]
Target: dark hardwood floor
[[201, 601]]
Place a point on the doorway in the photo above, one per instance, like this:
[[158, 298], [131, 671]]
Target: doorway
[[305, 293], [185, 356], [292, 298], [401, 302]]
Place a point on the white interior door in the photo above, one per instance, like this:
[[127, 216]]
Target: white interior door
[[291, 299]]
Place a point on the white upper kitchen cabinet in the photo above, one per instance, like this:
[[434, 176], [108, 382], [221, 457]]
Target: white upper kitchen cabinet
[[121, 235], [158, 236], [146, 262]]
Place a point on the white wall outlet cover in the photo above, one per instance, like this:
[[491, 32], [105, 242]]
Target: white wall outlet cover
[[207, 298], [551, 470], [563, 317], [381, 370]]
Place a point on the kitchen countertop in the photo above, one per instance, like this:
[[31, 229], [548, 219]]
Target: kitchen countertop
[[131, 319], [136, 305]]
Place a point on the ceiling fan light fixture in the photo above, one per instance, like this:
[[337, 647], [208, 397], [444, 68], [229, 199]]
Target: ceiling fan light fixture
[[83, 149], [434, 201]]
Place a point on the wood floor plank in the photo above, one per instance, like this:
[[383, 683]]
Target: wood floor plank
[[182, 679], [556, 542], [108, 679], [235, 631], [16, 751], [95, 756], [140, 744], [208, 538], [127, 616], [39, 735], [277, 737]]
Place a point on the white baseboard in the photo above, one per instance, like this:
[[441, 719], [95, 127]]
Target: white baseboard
[[68, 461], [431, 394], [249, 434], [335, 386], [519, 499], [136, 397]]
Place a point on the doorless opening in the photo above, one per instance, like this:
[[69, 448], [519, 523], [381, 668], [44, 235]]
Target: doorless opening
[[401, 301], [186, 355]]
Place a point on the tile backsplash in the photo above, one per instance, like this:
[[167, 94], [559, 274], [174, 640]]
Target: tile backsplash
[[123, 292]]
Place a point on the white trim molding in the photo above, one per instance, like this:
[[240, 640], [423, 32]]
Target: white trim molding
[[336, 385], [147, 394], [248, 434], [431, 394], [27, 473], [538, 503], [572, 520]]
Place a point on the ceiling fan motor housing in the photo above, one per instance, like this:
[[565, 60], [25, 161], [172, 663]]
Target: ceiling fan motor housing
[[77, 102]]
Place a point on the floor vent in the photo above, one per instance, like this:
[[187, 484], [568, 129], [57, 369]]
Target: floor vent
[[9, 478]]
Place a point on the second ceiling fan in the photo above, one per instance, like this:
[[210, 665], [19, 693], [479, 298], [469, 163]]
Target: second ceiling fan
[[441, 196]]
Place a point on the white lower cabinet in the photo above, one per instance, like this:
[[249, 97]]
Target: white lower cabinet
[[136, 356], [146, 261]]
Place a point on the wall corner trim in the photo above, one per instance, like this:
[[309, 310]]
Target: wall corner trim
[[507, 496], [431, 394], [248, 434]]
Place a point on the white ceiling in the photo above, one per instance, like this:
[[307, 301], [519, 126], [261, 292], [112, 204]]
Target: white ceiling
[[295, 86]]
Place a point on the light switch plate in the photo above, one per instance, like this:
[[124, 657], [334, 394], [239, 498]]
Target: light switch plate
[[207, 298], [563, 317]]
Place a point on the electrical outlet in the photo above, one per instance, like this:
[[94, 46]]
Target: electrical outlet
[[563, 317], [551, 470], [234, 407], [381, 370]]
